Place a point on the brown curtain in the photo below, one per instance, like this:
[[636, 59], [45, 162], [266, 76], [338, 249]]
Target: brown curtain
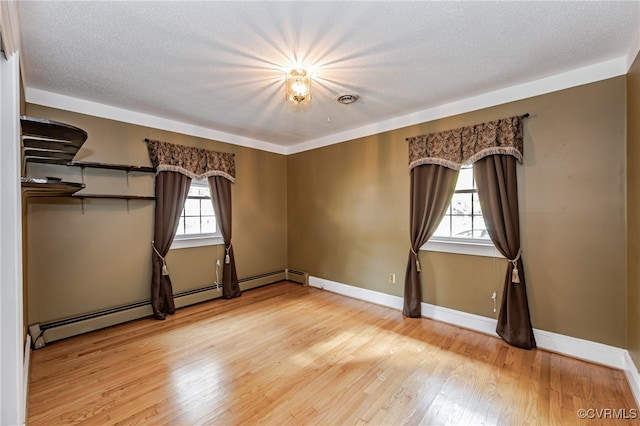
[[221, 198], [498, 194], [432, 186], [171, 192]]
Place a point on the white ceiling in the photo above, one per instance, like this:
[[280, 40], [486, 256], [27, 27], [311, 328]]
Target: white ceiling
[[214, 68]]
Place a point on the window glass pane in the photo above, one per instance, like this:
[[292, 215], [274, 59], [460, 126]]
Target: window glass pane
[[192, 225], [192, 207], [208, 224], [461, 204], [465, 179], [206, 208], [461, 227], [180, 226], [444, 229]]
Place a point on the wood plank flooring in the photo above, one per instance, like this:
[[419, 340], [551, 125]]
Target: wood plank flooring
[[287, 354]]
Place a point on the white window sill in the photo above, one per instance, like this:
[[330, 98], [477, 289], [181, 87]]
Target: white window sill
[[179, 243], [473, 247]]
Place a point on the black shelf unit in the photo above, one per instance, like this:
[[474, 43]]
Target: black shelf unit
[[51, 142], [48, 141], [116, 196], [88, 164], [47, 188]]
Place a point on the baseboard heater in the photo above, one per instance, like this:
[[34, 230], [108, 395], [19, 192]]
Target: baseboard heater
[[44, 333], [297, 276]]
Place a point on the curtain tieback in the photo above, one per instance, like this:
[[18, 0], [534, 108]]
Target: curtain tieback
[[165, 270], [515, 276], [227, 258], [415, 254]]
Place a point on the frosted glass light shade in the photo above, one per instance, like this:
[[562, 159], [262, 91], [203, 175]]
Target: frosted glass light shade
[[298, 86]]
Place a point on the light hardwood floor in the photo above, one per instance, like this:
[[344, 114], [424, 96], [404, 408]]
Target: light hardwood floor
[[287, 354]]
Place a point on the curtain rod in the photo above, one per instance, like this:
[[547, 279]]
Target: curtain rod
[[523, 116]]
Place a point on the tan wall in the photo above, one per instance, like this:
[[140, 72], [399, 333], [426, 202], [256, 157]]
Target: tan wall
[[348, 215], [633, 211], [82, 260]]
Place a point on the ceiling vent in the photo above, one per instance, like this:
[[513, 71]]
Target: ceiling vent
[[347, 98]]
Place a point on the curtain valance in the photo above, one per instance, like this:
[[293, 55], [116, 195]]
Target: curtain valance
[[465, 145], [197, 163]]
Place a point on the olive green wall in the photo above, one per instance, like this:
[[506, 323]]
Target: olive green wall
[[633, 211], [348, 215], [82, 259]]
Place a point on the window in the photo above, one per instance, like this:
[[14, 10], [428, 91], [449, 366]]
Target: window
[[197, 225], [462, 229]]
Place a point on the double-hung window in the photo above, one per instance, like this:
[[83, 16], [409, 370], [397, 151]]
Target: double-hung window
[[197, 225], [462, 229]]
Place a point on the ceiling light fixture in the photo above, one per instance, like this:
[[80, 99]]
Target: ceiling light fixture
[[298, 85]]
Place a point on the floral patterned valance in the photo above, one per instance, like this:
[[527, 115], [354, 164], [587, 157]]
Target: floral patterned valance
[[465, 145], [197, 163]]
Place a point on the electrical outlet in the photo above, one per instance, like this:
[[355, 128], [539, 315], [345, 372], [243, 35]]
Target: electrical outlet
[[392, 278]]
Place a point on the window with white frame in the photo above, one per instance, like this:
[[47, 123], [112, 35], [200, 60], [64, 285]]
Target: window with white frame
[[197, 224], [462, 229]]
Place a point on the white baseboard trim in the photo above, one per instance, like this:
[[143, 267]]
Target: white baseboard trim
[[459, 318], [359, 293], [586, 350], [631, 371]]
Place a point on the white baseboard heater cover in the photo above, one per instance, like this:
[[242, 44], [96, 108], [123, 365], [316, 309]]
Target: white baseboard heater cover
[[44, 333], [298, 277]]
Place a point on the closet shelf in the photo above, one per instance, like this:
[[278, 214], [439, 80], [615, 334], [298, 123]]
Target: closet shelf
[[48, 141], [35, 187], [115, 196], [127, 168], [88, 164], [52, 131]]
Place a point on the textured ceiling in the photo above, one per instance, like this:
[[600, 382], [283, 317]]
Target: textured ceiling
[[217, 65]]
